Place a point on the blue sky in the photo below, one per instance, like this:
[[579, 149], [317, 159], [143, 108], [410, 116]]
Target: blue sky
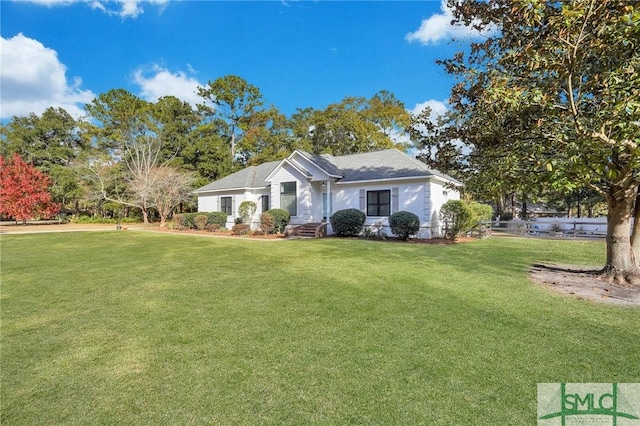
[[298, 53]]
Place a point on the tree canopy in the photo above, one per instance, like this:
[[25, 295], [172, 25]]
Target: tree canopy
[[552, 99], [24, 190], [126, 147]]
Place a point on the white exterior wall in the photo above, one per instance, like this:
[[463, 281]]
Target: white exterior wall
[[211, 203], [438, 195], [422, 198], [303, 193]]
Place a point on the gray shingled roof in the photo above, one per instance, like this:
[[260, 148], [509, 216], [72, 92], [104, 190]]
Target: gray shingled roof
[[387, 164], [250, 177]]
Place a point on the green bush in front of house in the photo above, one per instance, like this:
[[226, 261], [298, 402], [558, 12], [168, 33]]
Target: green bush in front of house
[[482, 212], [217, 218], [348, 222], [188, 220], [201, 221], [281, 219], [404, 224], [458, 218]]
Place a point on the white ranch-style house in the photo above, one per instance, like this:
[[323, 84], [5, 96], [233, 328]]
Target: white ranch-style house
[[311, 187]]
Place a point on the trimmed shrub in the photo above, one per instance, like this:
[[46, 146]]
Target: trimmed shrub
[[458, 218], [188, 220], [404, 224], [482, 212], [241, 228], [267, 224], [246, 211], [281, 219], [348, 222], [212, 227], [201, 221], [217, 218], [179, 221]]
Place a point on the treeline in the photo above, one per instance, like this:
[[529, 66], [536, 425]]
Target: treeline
[[126, 153]]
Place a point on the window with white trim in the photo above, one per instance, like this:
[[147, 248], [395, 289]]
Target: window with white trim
[[226, 205], [288, 200], [379, 203]]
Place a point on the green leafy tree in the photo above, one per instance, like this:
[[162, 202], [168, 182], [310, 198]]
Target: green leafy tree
[[230, 103], [139, 135], [208, 155], [353, 125], [267, 138], [555, 95], [52, 143], [174, 122]]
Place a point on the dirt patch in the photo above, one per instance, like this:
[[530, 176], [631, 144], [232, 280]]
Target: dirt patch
[[584, 283]]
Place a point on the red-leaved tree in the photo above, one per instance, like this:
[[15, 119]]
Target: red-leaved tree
[[24, 191]]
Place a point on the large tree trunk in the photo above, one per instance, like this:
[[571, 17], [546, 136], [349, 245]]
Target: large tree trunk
[[145, 214], [621, 263], [635, 235]]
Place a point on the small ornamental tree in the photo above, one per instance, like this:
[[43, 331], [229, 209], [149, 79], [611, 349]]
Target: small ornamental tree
[[246, 210], [404, 224], [24, 191]]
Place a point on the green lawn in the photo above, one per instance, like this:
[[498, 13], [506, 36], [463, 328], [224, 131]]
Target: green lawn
[[147, 328]]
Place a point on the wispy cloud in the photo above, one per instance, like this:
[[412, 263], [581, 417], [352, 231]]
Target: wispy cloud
[[156, 82], [33, 79], [438, 108], [438, 27], [123, 8]]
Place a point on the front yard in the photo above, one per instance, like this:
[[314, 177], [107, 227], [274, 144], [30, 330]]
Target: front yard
[[152, 328]]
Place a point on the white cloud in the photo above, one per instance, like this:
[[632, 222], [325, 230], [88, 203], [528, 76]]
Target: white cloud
[[438, 27], [124, 9], [438, 108], [33, 79], [158, 82]]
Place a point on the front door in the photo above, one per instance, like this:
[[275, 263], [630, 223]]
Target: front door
[[325, 207]]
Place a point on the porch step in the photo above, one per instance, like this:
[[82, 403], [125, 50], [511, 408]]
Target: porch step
[[311, 230]]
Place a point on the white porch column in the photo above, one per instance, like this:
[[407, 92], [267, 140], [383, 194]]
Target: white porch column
[[329, 204]]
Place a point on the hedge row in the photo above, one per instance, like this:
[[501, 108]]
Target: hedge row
[[188, 220]]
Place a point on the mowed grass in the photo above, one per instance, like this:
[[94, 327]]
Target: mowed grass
[[146, 328]]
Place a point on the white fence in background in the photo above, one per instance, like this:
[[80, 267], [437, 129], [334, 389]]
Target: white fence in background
[[553, 227]]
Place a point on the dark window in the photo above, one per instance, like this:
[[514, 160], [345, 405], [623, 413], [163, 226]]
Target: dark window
[[379, 203], [225, 205], [265, 203], [288, 200]]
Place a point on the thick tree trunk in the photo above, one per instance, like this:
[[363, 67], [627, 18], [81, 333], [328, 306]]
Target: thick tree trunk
[[635, 235], [621, 263], [145, 215]]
